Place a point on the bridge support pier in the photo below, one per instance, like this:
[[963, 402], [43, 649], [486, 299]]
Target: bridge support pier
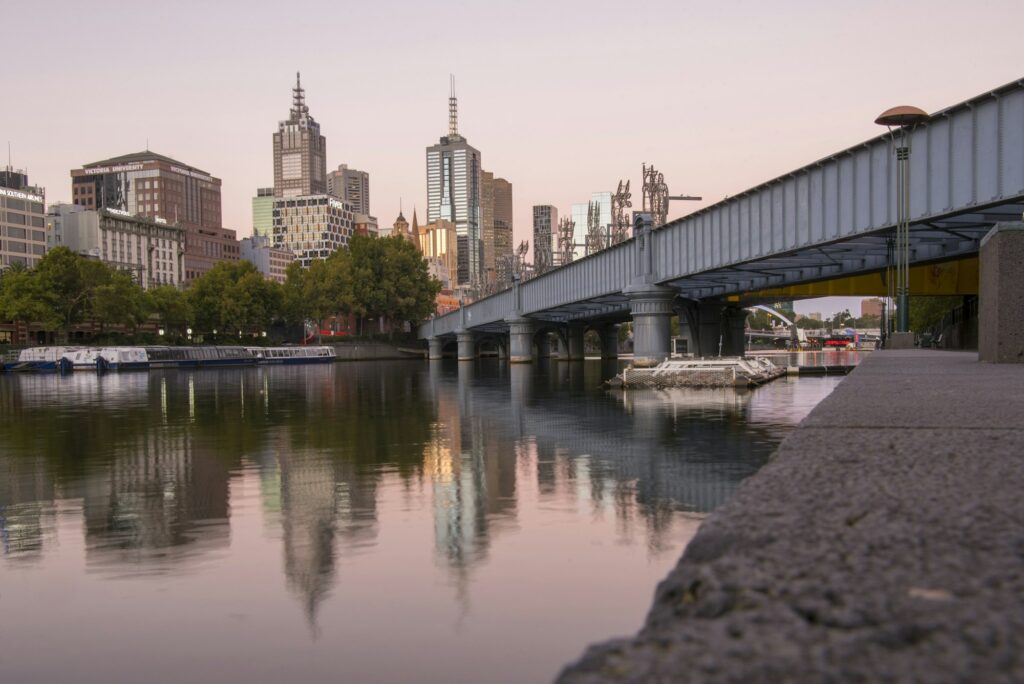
[[574, 342], [734, 331], [520, 340], [544, 345], [467, 345], [609, 341], [651, 307], [434, 347]]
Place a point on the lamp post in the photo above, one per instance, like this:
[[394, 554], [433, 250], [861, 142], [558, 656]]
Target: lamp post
[[901, 122]]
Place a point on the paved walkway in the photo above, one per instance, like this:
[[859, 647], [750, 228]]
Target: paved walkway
[[884, 542]]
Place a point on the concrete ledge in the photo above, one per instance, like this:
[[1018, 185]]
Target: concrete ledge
[[883, 542]]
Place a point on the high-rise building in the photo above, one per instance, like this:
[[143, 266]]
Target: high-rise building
[[263, 212], [307, 221], [352, 186], [496, 216], [151, 249], [545, 227], [503, 230], [871, 307], [580, 216], [311, 226], [22, 220], [153, 186], [300, 152], [439, 244], [453, 194], [269, 260]]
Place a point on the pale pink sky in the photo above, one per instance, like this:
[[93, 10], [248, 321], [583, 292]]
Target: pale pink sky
[[562, 98]]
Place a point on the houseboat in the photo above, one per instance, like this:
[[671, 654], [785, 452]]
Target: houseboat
[[292, 355], [40, 359], [198, 357]]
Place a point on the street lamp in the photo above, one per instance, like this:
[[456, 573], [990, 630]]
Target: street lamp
[[901, 122]]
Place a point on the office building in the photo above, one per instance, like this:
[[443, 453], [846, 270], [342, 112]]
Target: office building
[[352, 186], [154, 186], [151, 249], [311, 226], [545, 229], [300, 152], [22, 220], [871, 307], [263, 212], [439, 243], [581, 217], [496, 217], [453, 194], [269, 260]]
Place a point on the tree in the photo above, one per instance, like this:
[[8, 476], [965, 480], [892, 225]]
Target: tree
[[171, 306], [119, 301], [928, 312], [390, 279], [21, 298], [233, 296]]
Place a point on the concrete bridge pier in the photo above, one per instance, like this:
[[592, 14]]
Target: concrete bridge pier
[[651, 307], [734, 330], [520, 340], [574, 342], [467, 345], [609, 341], [544, 345], [435, 345]]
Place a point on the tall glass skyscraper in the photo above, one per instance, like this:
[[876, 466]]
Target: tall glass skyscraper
[[580, 214], [453, 194]]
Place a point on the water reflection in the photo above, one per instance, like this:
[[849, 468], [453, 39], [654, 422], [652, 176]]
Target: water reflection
[[341, 464]]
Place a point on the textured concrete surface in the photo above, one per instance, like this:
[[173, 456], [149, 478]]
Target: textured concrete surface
[[884, 542], [1001, 295]]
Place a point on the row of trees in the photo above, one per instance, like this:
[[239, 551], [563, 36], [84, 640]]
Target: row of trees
[[373, 279]]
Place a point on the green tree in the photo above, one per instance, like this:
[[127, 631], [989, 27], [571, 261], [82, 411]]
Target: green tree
[[171, 306], [233, 296], [390, 279], [119, 301], [21, 298], [928, 312]]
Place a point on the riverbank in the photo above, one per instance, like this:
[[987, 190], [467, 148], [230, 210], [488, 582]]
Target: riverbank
[[883, 542]]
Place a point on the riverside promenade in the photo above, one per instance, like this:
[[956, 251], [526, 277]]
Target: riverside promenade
[[883, 542]]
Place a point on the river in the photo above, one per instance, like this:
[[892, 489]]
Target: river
[[360, 522]]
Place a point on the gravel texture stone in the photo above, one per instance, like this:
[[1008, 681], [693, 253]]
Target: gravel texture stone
[[884, 542]]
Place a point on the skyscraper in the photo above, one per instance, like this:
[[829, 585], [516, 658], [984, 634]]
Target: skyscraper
[[263, 212], [307, 221], [545, 223], [580, 216], [352, 186], [300, 152], [496, 219], [502, 226], [453, 194]]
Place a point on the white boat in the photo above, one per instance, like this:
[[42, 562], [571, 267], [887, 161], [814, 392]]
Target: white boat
[[292, 355], [39, 359]]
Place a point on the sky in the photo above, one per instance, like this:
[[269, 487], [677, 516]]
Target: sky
[[562, 98]]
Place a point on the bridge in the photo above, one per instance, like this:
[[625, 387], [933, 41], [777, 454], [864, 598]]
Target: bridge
[[823, 229]]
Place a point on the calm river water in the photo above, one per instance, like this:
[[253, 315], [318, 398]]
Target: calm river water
[[361, 522]]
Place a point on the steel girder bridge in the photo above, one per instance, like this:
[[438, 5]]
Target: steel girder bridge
[[823, 229]]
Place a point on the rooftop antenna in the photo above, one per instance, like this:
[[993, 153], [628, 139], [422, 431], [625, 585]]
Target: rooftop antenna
[[453, 112], [9, 167]]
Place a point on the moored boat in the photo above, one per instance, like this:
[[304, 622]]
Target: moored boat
[[40, 359], [198, 357], [293, 355]]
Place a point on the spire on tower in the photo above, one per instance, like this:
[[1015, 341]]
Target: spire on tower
[[453, 112], [299, 107]]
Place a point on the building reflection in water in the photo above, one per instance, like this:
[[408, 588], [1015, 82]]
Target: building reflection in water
[[153, 457]]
